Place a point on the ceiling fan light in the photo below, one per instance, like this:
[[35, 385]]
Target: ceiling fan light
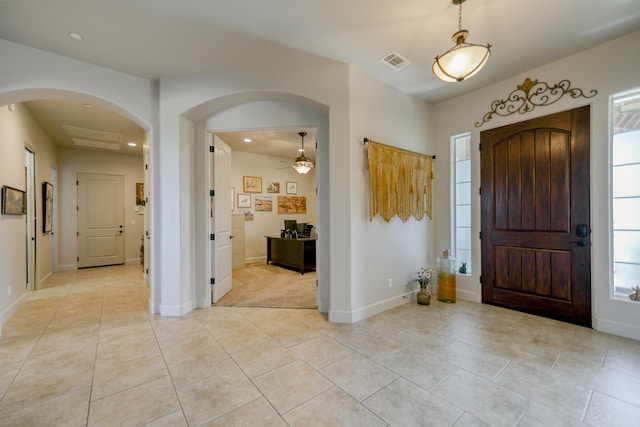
[[302, 163]]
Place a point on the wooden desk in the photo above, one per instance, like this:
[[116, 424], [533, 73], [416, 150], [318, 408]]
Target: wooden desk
[[299, 254]]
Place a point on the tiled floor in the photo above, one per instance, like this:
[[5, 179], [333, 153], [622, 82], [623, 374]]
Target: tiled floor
[[85, 351]]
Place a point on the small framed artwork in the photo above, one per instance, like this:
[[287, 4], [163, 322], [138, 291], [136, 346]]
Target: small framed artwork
[[273, 187], [252, 184], [47, 207], [13, 201], [139, 194], [244, 200], [264, 203], [292, 188], [248, 215]]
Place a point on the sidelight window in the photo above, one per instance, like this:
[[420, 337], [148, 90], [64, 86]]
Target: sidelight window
[[461, 199], [625, 192]]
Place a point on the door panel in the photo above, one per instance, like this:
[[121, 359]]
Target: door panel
[[535, 192], [221, 246], [100, 220]]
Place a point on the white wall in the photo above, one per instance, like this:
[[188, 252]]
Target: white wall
[[609, 68], [73, 161], [18, 130], [270, 169], [381, 250]]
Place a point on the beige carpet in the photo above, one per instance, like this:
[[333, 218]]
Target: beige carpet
[[262, 285]]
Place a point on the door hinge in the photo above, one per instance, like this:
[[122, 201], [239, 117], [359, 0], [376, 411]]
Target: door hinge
[[146, 166], [480, 191], [480, 235], [77, 208], [316, 191], [212, 281], [481, 280], [147, 271], [77, 183], [212, 236], [78, 233], [480, 147], [78, 258], [212, 193], [211, 148]]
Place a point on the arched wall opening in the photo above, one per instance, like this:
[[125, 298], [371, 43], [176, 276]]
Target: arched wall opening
[[40, 93], [248, 111]]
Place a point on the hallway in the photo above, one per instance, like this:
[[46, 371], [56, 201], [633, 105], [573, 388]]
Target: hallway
[[85, 351]]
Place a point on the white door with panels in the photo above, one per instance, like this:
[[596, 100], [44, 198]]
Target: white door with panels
[[220, 222], [100, 220]]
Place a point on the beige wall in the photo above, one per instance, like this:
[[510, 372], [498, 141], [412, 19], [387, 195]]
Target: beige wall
[[71, 163]]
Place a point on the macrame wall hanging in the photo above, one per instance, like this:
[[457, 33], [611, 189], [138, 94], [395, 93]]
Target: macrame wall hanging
[[399, 182]]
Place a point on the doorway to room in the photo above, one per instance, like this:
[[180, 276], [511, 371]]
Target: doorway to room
[[535, 210]]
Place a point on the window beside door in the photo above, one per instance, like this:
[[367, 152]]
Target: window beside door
[[625, 192], [461, 197]]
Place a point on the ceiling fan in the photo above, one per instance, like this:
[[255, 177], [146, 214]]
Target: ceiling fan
[[302, 163]]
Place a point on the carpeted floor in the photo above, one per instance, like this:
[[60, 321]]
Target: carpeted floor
[[262, 285]]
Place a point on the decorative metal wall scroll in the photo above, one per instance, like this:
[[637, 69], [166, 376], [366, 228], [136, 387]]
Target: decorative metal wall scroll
[[531, 94]]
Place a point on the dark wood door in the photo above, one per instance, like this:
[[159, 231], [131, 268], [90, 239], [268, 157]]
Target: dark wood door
[[535, 216]]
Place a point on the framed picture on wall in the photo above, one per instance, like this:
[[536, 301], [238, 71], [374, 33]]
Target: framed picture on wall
[[244, 200], [252, 184], [47, 207], [292, 188], [13, 201]]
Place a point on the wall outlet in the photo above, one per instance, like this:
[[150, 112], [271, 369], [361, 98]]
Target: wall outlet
[[9, 290], [390, 282]]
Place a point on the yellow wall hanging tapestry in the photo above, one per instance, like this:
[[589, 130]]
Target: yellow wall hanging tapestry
[[399, 182]]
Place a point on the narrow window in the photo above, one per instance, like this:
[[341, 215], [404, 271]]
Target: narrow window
[[461, 197], [625, 192]]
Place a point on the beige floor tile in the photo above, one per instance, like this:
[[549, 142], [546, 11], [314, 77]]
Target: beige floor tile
[[215, 396], [289, 333], [256, 413], [422, 369], [538, 414], [321, 351], [333, 408], [358, 376], [240, 339], [291, 385], [263, 358], [110, 378], [468, 420], [196, 366], [558, 392], [68, 409], [617, 384], [403, 403], [174, 419], [487, 401], [369, 343], [606, 411], [135, 406], [480, 362]]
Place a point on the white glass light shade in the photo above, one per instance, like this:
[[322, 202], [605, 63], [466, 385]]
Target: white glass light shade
[[461, 61], [303, 165]]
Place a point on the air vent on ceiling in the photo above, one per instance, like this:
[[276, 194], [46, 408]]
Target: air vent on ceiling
[[395, 60], [75, 131], [96, 144]]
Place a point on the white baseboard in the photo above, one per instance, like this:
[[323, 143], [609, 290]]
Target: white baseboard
[[367, 311], [340, 316], [68, 267], [616, 328], [254, 260], [133, 261], [44, 279], [176, 310], [8, 312], [468, 295]]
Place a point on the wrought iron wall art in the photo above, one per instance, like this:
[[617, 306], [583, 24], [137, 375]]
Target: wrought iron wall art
[[531, 94]]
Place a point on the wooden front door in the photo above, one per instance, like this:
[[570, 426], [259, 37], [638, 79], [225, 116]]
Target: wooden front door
[[535, 216]]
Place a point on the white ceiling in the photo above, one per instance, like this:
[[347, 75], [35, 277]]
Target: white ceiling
[[155, 39]]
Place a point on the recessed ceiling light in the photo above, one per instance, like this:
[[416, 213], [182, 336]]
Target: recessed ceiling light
[[132, 144], [247, 140], [88, 105], [75, 36]]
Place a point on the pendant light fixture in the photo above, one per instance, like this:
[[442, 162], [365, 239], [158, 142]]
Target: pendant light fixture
[[464, 59], [302, 164]]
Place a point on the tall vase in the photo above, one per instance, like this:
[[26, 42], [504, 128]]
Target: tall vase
[[446, 266]]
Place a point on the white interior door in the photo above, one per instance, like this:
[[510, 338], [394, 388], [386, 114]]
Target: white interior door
[[100, 220], [220, 223]]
